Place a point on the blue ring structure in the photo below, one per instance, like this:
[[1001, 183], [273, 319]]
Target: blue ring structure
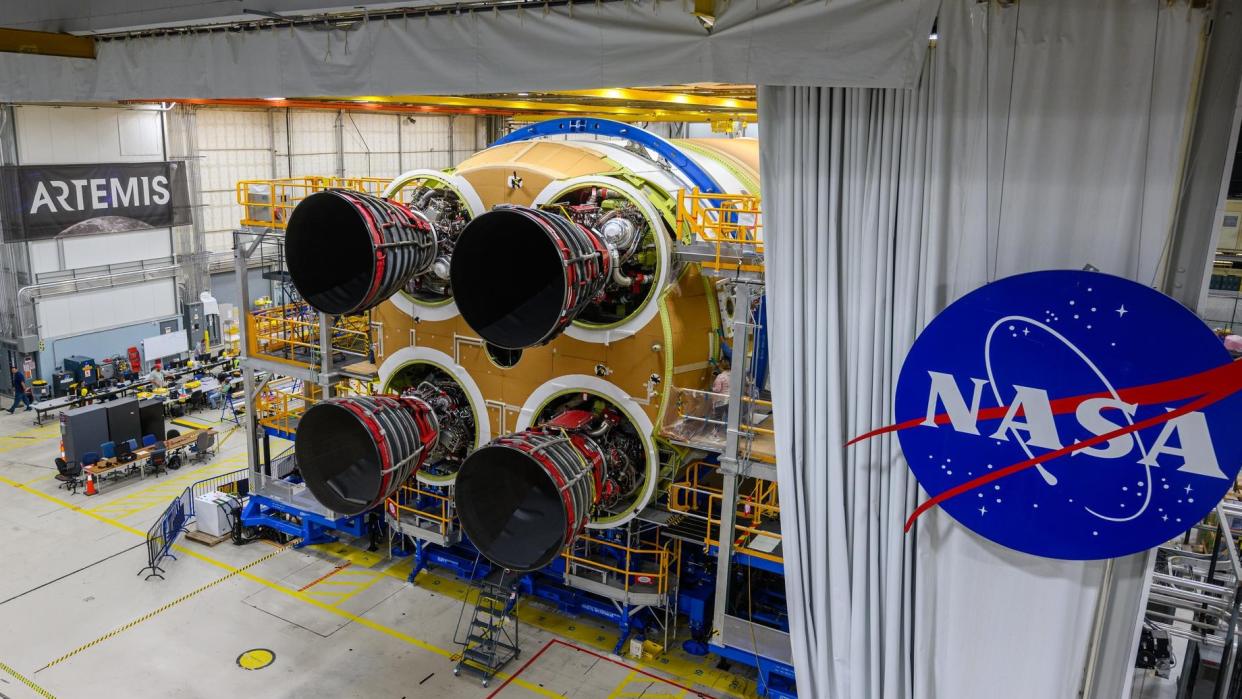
[[607, 127]]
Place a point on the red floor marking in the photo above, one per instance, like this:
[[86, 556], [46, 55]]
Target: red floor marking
[[323, 577], [523, 668], [614, 661]]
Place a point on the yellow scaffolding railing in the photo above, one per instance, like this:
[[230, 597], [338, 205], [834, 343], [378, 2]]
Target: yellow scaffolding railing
[[280, 405], [436, 513], [634, 570], [268, 203], [696, 498], [282, 401], [290, 334], [732, 223]]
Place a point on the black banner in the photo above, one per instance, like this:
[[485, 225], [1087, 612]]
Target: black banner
[[49, 201]]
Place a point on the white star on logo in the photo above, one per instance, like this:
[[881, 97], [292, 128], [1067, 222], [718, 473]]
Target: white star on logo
[[983, 510], [1122, 311], [1026, 331], [1188, 489], [1165, 518]]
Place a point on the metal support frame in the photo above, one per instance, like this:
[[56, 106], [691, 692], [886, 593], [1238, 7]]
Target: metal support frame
[[1127, 582], [311, 528], [242, 253], [1206, 179], [731, 465]]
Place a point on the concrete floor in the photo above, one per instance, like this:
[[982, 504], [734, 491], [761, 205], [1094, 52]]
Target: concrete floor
[[77, 621]]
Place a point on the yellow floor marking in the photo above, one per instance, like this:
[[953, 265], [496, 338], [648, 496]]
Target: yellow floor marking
[[22, 678], [159, 610], [256, 659], [161, 493], [353, 554], [242, 572], [674, 662], [359, 587], [619, 690]]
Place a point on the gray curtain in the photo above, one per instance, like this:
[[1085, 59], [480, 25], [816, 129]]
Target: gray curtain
[[1045, 134], [534, 47]]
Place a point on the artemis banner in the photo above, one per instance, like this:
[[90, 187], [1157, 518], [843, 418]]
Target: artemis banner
[[1070, 414], [48, 201]]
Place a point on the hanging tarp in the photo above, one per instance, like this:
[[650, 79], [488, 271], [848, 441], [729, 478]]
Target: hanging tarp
[[535, 47]]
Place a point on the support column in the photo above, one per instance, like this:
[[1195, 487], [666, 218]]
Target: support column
[[730, 465]]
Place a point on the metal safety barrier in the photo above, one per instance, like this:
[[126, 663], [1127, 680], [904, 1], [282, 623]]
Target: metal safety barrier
[[160, 538], [173, 520]]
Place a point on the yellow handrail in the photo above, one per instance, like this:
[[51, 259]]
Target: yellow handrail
[[281, 404], [410, 492], [279, 333], [660, 552], [733, 220], [753, 509], [268, 203]]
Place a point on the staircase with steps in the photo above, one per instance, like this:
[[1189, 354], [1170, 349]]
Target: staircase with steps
[[492, 635]]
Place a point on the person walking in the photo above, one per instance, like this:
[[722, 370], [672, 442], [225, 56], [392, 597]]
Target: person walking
[[21, 392]]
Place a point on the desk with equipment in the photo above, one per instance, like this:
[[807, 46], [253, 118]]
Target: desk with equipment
[[152, 457], [45, 407]]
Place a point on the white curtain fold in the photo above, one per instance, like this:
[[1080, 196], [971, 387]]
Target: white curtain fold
[[543, 47], [1045, 134]]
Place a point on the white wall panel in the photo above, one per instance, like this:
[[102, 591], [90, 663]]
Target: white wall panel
[[371, 144], [140, 135], [113, 248], [466, 139], [312, 137], [88, 311], [425, 142], [44, 256], [234, 144], [280, 142], [60, 135]]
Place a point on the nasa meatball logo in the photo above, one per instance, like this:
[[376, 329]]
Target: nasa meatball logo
[[1072, 415]]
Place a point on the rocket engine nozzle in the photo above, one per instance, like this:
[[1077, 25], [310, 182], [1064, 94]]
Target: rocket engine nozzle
[[354, 452], [347, 251], [524, 497], [520, 275]]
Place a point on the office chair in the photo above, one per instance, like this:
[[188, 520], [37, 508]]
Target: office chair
[[148, 440], [69, 475], [173, 433], [204, 445], [133, 444], [90, 458], [124, 453], [159, 459], [108, 450]]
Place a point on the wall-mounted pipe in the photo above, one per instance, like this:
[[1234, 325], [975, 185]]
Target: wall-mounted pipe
[[23, 292]]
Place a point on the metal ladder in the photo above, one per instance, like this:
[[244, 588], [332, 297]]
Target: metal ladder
[[489, 645]]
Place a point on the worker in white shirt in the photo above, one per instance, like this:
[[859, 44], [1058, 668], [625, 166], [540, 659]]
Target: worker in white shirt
[[157, 378]]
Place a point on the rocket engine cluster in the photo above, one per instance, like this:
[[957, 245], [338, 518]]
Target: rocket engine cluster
[[532, 293]]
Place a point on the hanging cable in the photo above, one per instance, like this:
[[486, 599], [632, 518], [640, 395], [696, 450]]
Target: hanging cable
[[1000, 205]]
